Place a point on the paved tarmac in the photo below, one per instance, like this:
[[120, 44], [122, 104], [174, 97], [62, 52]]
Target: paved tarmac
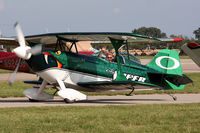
[[19, 77], [104, 100]]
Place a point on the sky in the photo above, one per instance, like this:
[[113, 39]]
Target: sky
[[178, 17]]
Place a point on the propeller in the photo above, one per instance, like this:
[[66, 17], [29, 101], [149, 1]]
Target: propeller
[[24, 52], [15, 72]]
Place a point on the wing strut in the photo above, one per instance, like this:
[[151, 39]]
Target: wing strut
[[117, 43], [59, 42], [128, 51]]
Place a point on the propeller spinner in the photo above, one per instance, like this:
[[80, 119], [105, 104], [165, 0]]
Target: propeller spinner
[[24, 51]]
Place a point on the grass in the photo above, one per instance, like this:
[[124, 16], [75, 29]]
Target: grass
[[16, 90], [5, 71], [165, 118]]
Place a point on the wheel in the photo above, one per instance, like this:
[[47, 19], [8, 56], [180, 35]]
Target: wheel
[[175, 98], [33, 100], [68, 101]]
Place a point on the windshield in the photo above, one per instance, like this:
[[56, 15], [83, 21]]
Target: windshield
[[131, 57]]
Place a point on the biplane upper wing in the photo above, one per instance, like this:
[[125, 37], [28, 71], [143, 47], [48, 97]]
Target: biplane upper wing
[[51, 38]]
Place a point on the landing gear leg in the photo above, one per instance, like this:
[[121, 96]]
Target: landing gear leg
[[55, 92], [129, 94]]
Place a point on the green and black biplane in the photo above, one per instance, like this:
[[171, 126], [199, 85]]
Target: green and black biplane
[[70, 71]]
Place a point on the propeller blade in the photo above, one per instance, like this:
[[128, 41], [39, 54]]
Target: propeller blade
[[20, 35], [15, 72], [35, 50]]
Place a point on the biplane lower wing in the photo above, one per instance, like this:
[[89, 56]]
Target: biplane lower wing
[[174, 80], [113, 84]]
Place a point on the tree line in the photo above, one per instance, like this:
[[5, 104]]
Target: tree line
[[156, 32]]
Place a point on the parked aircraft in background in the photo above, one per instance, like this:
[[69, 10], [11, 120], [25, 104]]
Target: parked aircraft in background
[[193, 51]]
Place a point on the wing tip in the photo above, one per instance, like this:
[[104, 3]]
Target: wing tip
[[193, 45], [177, 39]]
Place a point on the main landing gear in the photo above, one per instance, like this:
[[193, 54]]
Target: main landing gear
[[70, 95], [35, 94], [129, 94]]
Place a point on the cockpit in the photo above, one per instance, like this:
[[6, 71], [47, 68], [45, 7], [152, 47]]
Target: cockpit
[[124, 57]]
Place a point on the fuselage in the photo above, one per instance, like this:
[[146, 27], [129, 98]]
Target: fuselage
[[75, 68]]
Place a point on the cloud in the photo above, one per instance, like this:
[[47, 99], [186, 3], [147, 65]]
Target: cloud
[[116, 10], [2, 6]]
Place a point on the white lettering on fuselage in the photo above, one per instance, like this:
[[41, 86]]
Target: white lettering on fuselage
[[134, 78], [129, 77]]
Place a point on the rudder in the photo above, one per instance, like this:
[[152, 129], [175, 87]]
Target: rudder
[[167, 61]]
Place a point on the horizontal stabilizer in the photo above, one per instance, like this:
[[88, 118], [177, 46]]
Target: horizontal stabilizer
[[179, 80]]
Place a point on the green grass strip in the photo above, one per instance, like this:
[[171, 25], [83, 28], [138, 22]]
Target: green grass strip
[[165, 118], [5, 71]]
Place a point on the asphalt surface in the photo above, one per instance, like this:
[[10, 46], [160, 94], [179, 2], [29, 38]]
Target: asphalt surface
[[19, 77], [104, 100]]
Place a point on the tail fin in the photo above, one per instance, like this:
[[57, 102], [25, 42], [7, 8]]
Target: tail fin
[[168, 63]]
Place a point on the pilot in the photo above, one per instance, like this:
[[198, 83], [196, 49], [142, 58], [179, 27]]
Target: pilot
[[110, 57]]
